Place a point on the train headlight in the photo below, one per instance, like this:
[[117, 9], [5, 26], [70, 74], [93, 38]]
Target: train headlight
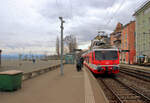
[[99, 68], [115, 68]]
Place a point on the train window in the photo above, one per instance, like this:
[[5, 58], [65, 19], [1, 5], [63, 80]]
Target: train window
[[106, 55], [92, 56], [86, 59]]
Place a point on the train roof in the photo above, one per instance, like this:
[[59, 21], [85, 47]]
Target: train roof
[[111, 49], [101, 49]]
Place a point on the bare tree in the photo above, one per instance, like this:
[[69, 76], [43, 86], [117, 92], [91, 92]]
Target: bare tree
[[57, 46], [71, 42]]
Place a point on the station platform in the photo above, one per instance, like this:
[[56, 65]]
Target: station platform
[[51, 87], [144, 68]]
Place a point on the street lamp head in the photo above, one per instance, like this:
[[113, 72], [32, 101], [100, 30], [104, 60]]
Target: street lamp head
[[60, 18]]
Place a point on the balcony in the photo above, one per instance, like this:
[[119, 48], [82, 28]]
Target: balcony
[[117, 41], [117, 35]]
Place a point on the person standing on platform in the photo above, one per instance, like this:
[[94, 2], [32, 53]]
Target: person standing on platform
[[33, 60], [81, 61], [78, 64]]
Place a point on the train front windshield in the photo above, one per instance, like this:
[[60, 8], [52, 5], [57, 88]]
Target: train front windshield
[[106, 55]]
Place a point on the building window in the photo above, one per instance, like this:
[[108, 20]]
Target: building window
[[147, 11], [135, 40], [144, 35], [134, 44], [92, 56], [144, 46], [143, 22], [126, 39], [138, 23], [126, 36], [122, 37], [122, 41], [149, 39]]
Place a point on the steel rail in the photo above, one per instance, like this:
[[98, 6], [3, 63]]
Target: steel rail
[[116, 96], [137, 75], [136, 69], [135, 91]]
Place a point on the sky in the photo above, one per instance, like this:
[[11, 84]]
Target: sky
[[32, 26]]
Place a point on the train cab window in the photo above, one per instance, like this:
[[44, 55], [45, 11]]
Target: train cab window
[[106, 55], [86, 59]]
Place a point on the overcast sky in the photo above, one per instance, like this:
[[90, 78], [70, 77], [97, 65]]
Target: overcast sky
[[33, 25]]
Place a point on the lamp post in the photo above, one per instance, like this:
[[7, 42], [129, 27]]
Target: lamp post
[[62, 22], [0, 58]]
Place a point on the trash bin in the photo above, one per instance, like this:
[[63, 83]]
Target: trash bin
[[10, 80]]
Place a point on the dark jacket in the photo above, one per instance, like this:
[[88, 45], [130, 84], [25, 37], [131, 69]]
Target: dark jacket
[[78, 63], [82, 60]]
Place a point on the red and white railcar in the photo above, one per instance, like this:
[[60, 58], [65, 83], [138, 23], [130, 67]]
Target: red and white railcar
[[102, 60]]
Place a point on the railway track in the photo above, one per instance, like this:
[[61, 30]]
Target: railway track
[[119, 92], [144, 75], [139, 82]]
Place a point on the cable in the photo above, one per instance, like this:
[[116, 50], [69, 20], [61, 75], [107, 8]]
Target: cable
[[119, 7], [128, 9], [107, 13], [109, 20], [70, 2], [57, 5]]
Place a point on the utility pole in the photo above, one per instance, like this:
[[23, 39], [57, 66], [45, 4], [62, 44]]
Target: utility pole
[[61, 68], [0, 58]]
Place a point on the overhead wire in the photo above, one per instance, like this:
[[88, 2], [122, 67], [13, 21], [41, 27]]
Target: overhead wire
[[57, 4], [108, 11], [70, 2], [116, 11]]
